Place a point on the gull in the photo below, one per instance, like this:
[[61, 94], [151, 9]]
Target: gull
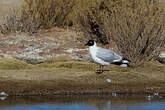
[[105, 57]]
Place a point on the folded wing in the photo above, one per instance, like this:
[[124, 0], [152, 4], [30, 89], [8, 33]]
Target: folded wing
[[107, 55]]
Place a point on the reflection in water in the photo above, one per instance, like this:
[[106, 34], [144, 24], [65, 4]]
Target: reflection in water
[[149, 97], [3, 98], [83, 103]]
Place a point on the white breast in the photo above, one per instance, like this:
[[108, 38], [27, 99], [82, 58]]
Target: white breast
[[92, 51]]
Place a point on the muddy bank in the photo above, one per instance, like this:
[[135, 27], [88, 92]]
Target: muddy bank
[[80, 78], [35, 88]]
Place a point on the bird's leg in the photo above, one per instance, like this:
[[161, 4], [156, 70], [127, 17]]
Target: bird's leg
[[100, 67], [100, 70]]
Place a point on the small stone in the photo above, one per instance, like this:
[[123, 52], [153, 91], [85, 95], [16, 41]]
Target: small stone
[[3, 94], [114, 94], [156, 93], [161, 57], [108, 80], [149, 97]]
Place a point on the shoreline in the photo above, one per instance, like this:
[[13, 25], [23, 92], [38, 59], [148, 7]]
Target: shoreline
[[79, 78], [50, 87], [13, 92]]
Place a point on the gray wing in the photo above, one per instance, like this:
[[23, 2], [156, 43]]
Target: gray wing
[[107, 55]]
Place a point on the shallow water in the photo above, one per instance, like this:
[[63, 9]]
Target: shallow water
[[105, 102]]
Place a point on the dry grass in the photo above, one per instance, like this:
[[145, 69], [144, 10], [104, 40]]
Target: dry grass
[[34, 15], [72, 77], [66, 65], [38, 14], [7, 5], [58, 59], [136, 27], [88, 19], [73, 65], [13, 64], [80, 78], [62, 62]]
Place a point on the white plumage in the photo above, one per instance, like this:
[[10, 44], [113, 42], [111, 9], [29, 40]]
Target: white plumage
[[105, 57]]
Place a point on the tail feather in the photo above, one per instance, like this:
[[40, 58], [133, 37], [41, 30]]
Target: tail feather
[[124, 63]]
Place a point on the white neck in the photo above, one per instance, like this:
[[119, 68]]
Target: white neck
[[94, 45], [92, 50]]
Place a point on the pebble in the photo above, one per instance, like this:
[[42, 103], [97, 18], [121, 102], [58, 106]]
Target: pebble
[[3, 94], [114, 94], [149, 97], [108, 80], [156, 93]]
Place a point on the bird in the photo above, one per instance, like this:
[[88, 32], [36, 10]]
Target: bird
[[104, 57]]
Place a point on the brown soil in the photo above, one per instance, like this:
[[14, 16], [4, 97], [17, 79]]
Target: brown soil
[[80, 79]]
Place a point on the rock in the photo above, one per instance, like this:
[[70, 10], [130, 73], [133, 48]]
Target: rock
[[161, 57], [156, 93], [3, 94], [108, 80], [149, 97], [114, 94]]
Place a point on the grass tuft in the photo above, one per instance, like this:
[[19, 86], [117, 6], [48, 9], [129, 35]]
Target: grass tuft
[[58, 59], [13, 64], [72, 65]]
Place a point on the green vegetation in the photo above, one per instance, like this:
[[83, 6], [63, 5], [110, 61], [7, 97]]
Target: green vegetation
[[58, 62], [135, 27], [64, 63], [13, 64], [67, 63], [72, 65]]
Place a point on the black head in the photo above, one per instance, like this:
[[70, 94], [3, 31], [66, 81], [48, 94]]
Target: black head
[[90, 43]]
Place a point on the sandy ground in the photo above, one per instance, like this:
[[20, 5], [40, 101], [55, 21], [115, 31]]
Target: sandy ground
[[80, 78]]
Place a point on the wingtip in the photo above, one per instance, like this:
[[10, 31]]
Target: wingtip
[[124, 65], [125, 61]]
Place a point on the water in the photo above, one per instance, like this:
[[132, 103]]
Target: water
[[84, 103]]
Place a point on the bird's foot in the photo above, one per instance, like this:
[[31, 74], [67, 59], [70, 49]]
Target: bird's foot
[[99, 71]]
